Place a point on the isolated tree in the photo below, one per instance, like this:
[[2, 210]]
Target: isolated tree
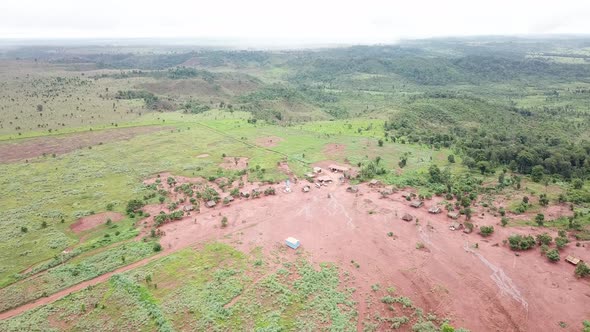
[[451, 158], [39, 108], [380, 142], [578, 183], [525, 200]]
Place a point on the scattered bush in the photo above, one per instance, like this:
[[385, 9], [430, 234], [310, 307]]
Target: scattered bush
[[582, 270], [553, 255], [486, 231], [519, 242], [224, 222], [561, 242], [504, 221], [544, 239]]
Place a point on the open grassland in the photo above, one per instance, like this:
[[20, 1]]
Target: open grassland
[[214, 289]]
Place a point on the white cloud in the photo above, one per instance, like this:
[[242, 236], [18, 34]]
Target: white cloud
[[366, 21]]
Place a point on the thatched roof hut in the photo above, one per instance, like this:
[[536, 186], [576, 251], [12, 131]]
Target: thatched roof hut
[[434, 209], [416, 204]]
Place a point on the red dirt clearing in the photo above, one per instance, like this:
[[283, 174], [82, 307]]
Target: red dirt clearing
[[334, 149], [269, 141], [234, 163], [487, 288], [86, 223], [30, 148], [449, 277]]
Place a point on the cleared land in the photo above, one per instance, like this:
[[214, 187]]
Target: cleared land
[[146, 188]]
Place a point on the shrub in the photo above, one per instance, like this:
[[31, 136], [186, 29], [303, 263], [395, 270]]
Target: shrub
[[224, 222], [504, 221], [560, 242], [157, 247], [451, 159], [486, 231], [24, 229], [553, 255], [539, 219], [544, 239], [582, 270], [110, 207], [133, 205], [519, 242]]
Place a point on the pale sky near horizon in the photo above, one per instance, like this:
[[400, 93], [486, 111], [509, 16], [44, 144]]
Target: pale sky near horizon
[[367, 21]]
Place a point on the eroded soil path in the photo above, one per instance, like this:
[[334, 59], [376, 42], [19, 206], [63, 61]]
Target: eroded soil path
[[17, 150]]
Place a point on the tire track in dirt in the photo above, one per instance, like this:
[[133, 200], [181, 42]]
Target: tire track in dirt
[[502, 280]]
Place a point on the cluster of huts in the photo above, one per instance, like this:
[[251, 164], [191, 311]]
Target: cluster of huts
[[434, 209]]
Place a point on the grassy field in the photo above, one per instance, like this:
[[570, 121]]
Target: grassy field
[[215, 289]]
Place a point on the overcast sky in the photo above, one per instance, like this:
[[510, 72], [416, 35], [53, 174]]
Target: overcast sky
[[365, 21]]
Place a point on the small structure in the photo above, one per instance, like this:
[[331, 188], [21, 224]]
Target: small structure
[[572, 260], [406, 194], [292, 242], [318, 185], [245, 193], [456, 226], [467, 230], [229, 198], [434, 209], [453, 215], [324, 179], [407, 217], [386, 192], [336, 168], [305, 189], [374, 183], [210, 204], [416, 204], [317, 169], [188, 208], [353, 189], [309, 175]]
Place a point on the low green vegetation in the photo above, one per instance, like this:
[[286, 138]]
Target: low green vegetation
[[212, 289]]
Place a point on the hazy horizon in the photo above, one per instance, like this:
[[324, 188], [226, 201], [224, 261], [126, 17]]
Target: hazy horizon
[[301, 23]]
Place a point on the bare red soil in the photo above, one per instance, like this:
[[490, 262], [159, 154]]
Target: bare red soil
[[86, 223], [334, 149], [235, 163], [487, 288], [269, 142], [35, 147], [483, 288]]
